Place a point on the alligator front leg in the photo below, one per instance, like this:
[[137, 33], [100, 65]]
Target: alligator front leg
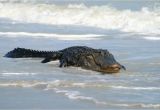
[[63, 63]]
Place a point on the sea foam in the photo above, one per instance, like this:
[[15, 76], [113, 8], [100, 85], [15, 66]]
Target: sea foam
[[144, 21], [63, 88], [11, 74], [52, 35]]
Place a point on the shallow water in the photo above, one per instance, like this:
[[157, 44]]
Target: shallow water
[[133, 39]]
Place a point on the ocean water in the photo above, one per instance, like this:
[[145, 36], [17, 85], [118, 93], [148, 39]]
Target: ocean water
[[130, 30]]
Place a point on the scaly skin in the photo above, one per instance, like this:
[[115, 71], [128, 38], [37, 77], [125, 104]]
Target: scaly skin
[[78, 56]]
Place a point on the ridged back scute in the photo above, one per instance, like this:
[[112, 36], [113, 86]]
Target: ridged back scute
[[25, 53]]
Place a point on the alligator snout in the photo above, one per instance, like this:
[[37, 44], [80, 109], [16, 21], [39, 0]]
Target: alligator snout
[[114, 68]]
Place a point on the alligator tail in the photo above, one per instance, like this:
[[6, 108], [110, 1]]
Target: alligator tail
[[26, 53]]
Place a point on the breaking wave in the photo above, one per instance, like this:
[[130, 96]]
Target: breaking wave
[[144, 21]]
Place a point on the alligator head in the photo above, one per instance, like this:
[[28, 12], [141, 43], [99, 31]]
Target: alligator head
[[103, 62]]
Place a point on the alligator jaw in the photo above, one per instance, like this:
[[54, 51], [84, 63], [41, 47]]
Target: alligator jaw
[[115, 68]]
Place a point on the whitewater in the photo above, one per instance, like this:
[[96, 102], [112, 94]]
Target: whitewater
[[130, 30], [145, 21]]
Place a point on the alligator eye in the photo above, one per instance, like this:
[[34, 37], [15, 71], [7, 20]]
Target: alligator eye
[[90, 57]]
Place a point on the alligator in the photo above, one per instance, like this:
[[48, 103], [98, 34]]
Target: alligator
[[100, 60]]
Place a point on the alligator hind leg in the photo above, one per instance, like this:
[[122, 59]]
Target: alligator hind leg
[[48, 59]]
